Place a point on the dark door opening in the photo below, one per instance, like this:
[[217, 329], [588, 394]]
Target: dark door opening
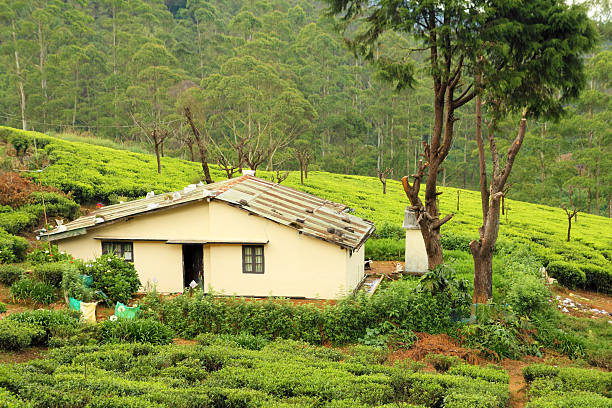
[[193, 268]]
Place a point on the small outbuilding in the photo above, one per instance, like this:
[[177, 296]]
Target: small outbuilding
[[244, 236]]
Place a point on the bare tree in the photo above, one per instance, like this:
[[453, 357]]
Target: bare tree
[[201, 146], [303, 155], [157, 132], [570, 214], [382, 176]]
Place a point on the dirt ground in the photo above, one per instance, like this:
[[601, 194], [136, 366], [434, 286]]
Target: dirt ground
[[587, 300]]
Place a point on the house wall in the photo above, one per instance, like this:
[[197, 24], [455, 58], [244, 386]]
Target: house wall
[[354, 268], [295, 265]]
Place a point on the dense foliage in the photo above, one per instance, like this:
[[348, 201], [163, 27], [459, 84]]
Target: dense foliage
[[115, 277]]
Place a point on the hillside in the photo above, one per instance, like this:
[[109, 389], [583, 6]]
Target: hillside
[[94, 173]]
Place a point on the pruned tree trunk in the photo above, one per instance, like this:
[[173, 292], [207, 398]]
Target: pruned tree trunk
[[570, 215], [201, 147], [483, 248]]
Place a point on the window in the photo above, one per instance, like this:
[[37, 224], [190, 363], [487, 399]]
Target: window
[[252, 259], [124, 250]]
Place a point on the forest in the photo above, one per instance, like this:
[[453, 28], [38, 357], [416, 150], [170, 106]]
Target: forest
[[272, 85]]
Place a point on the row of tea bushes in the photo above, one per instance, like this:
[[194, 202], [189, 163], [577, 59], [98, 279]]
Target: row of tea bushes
[[283, 373], [567, 387]]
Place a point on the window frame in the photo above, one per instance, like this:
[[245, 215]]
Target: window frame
[[253, 261], [122, 245]]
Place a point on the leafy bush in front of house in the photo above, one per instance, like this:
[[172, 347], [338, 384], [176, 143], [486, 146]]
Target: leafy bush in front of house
[[114, 276], [12, 248], [394, 312], [135, 331], [10, 274]]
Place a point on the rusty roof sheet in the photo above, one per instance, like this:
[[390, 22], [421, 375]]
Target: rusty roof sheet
[[311, 215]]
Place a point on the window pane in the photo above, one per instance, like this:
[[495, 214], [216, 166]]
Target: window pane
[[258, 250], [259, 268]]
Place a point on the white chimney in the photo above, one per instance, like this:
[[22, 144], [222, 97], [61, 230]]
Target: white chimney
[[416, 254], [248, 172]]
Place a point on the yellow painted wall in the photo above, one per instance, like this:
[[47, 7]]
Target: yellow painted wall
[[354, 268], [416, 255], [295, 265]]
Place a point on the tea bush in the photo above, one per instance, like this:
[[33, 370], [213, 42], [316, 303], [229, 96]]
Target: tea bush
[[3, 307], [16, 335], [441, 362], [51, 273], [571, 378], [10, 274], [491, 374], [46, 321], [567, 274], [12, 248]]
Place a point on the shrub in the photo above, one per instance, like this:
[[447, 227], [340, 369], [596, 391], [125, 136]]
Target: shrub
[[385, 249], [566, 273], [490, 374], [3, 307], [115, 277], [534, 371], [39, 292], [48, 253], [20, 143], [16, 335], [144, 331], [10, 274], [12, 248], [43, 293], [570, 400], [51, 273], [22, 289], [46, 320], [597, 278], [527, 295], [441, 362], [17, 221], [458, 242], [72, 284]]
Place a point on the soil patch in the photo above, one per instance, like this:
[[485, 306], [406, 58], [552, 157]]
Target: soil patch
[[22, 356], [582, 303]]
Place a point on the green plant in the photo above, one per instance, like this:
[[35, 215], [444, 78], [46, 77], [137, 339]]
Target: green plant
[[16, 335], [48, 253], [3, 308], [46, 320], [567, 273], [22, 289], [51, 273], [72, 284], [527, 295], [12, 248], [10, 274], [43, 293], [491, 373], [441, 362], [20, 143], [115, 277], [144, 331]]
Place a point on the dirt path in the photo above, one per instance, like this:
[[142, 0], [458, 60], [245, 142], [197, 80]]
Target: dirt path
[[518, 386]]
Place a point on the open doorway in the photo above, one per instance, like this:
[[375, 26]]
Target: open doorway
[[193, 268]]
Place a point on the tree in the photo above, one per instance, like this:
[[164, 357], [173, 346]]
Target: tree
[[303, 155], [382, 176], [446, 30], [510, 77], [570, 214]]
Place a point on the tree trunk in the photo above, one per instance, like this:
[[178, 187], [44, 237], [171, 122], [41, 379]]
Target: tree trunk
[[483, 275], [18, 69], [156, 145], [201, 147], [569, 226], [43, 78]]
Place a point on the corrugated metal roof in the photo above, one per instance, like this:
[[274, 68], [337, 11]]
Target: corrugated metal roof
[[311, 215]]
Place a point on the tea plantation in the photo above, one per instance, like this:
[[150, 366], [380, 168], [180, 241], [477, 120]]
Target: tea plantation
[[93, 173]]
